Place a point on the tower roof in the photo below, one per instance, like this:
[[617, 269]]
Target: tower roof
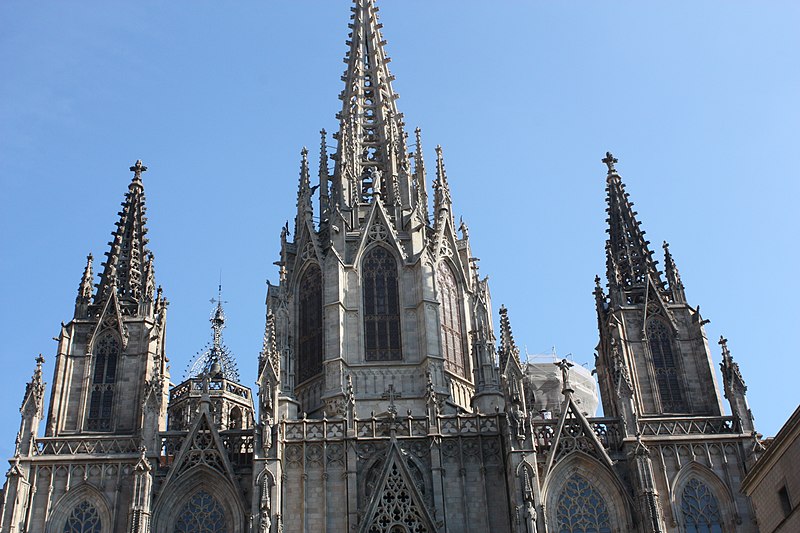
[[371, 137], [215, 359], [629, 261], [128, 264]]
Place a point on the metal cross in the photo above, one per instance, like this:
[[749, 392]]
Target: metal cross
[[609, 160], [137, 169]]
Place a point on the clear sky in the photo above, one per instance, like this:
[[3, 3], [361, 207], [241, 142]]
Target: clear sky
[[698, 100]]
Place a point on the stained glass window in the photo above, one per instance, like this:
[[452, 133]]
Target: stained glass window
[[309, 353], [700, 508], [381, 306], [201, 514], [84, 519], [104, 375], [665, 366], [581, 509], [450, 314]]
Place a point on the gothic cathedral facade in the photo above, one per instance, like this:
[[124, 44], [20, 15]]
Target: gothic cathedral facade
[[385, 402]]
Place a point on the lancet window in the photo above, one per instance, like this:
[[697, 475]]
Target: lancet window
[[104, 377], [309, 349], [700, 508], [381, 306], [665, 367], [201, 514], [581, 509], [450, 314], [83, 519]]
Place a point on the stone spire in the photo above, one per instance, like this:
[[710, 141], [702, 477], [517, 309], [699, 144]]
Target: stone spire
[[441, 188], [629, 261], [420, 185], [508, 347], [371, 150], [31, 411], [673, 277], [734, 388], [85, 289], [124, 267], [304, 191], [324, 202]]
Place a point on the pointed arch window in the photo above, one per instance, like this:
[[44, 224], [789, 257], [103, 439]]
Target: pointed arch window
[[700, 508], [104, 378], [581, 509], [309, 352], [201, 514], [381, 306], [450, 316], [83, 519], [665, 367]]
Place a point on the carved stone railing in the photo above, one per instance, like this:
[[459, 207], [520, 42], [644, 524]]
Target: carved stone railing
[[607, 430], [696, 425], [216, 387], [99, 445], [239, 443], [384, 427]]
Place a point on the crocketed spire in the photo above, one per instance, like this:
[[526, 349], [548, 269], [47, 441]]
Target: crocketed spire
[[216, 359], [629, 261], [508, 348], [128, 261], [372, 156]]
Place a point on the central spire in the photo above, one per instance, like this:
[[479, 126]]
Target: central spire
[[372, 159]]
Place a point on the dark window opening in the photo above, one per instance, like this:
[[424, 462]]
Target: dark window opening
[[665, 367], [309, 353], [104, 376], [381, 307], [450, 317]]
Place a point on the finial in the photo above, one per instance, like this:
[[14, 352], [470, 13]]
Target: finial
[[137, 170], [724, 343], [609, 160], [39, 361]]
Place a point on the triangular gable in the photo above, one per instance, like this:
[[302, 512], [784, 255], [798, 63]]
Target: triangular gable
[[307, 245], [574, 433], [396, 500], [446, 245], [111, 318], [378, 228], [655, 305], [202, 447]]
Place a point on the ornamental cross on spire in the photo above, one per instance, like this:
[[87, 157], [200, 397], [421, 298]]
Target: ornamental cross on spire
[[137, 169], [609, 160]]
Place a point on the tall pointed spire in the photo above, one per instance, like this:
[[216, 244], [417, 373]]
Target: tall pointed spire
[[324, 203], [124, 266], [508, 348], [420, 185], [441, 188], [371, 149], [672, 276], [85, 289], [216, 359], [629, 261], [735, 389]]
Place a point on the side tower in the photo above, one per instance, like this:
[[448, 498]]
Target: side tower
[[377, 289], [108, 399], [656, 375]]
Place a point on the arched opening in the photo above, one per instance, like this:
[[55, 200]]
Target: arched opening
[[309, 345], [235, 418], [450, 315], [202, 513], [381, 306], [581, 509], [700, 508], [84, 519], [104, 377], [666, 367]]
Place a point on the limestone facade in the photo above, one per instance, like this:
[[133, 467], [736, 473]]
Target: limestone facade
[[385, 402]]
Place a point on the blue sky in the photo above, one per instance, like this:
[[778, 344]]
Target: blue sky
[[698, 100]]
